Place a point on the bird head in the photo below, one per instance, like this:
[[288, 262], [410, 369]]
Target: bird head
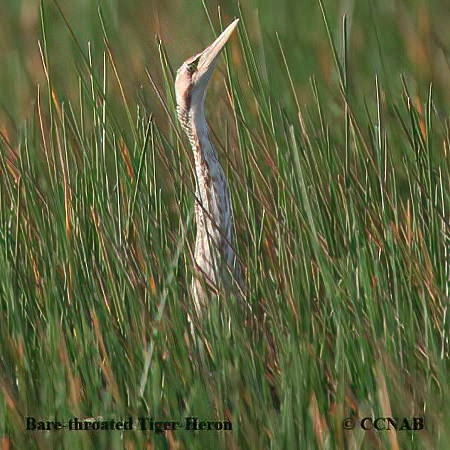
[[194, 74]]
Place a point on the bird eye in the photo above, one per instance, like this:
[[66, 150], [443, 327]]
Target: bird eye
[[192, 66]]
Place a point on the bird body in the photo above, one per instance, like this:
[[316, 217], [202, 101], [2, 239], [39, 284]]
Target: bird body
[[214, 255]]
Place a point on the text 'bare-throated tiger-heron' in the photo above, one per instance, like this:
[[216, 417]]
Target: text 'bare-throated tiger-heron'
[[215, 257]]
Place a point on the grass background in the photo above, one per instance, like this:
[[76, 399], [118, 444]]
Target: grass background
[[331, 121]]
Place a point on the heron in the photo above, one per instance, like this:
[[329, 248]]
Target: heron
[[215, 260]]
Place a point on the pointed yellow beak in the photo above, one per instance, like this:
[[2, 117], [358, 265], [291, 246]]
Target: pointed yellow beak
[[208, 58]]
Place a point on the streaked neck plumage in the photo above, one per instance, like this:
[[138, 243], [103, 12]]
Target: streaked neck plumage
[[213, 248]]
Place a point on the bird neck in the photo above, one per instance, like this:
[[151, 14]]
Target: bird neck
[[206, 160], [213, 246], [214, 207]]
